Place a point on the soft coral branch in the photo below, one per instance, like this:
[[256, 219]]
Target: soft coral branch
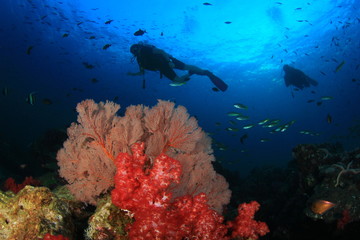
[[11, 185], [146, 194], [244, 225]]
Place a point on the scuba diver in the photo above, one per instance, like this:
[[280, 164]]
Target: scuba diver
[[152, 58], [297, 78]]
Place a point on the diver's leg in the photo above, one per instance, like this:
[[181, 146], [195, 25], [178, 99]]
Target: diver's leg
[[214, 79], [182, 79], [169, 72], [191, 68], [196, 70]]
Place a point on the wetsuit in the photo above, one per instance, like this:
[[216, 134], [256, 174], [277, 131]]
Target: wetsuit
[[158, 62], [297, 78]]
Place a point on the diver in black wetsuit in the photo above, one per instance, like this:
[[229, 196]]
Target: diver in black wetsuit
[[297, 78], [152, 58]]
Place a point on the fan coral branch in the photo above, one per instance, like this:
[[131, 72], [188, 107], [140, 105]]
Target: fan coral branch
[[87, 159]]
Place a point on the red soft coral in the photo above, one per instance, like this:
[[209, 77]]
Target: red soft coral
[[143, 190], [197, 220], [136, 187], [48, 236], [186, 218], [11, 185], [142, 187], [244, 225]]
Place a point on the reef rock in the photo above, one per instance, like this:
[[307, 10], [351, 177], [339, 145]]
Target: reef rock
[[32, 213]]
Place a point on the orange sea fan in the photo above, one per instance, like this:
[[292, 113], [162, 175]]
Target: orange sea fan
[[183, 132], [86, 160], [198, 175], [177, 128]]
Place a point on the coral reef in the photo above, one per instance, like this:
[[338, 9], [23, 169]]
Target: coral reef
[[334, 178], [160, 163], [11, 185], [244, 224], [32, 213], [143, 190], [108, 222], [307, 199], [86, 160], [48, 236]]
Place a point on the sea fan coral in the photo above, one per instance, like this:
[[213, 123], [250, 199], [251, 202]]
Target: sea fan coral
[[87, 159], [178, 130], [178, 135]]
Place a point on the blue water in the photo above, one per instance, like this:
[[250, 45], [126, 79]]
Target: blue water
[[248, 54]]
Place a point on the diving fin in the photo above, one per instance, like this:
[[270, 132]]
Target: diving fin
[[220, 84]]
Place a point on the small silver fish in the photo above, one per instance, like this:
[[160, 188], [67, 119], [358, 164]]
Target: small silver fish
[[177, 84], [248, 126], [240, 106], [242, 117], [30, 99], [232, 129], [233, 114], [327, 98], [264, 121]]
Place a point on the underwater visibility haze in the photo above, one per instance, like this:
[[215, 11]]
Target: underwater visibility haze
[[55, 54]]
